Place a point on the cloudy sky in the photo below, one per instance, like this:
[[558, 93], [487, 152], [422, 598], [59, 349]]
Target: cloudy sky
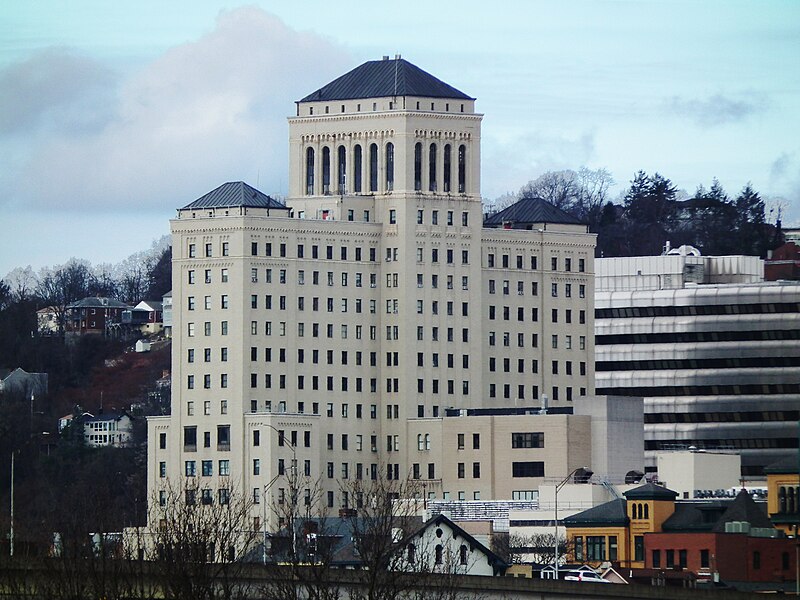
[[113, 114]]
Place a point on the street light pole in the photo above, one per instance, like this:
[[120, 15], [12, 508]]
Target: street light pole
[[282, 438], [11, 532], [555, 519]]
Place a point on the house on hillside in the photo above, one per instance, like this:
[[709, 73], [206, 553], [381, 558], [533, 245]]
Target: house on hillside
[[94, 315], [108, 429], [47, 321], [147, 317], [22, 384], [166, 306]]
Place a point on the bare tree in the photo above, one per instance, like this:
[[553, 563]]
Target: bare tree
[[201, 540], [560, 188]]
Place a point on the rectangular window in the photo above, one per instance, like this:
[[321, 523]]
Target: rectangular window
[[657, 559], [595, 547], [527, 440], [638, 549], [527, 469]]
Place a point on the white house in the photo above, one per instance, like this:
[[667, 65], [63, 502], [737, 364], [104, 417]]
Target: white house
[[108, 429]]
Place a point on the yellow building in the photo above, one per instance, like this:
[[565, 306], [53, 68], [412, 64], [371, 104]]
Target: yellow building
[[614, 531], [783, 494]]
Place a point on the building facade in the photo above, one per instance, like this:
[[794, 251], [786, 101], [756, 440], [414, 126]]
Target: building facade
[[329, 337], [718, 364]]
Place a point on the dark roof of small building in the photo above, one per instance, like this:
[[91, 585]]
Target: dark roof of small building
[[608, 513], [437, 520], [235, 194], [98, 302], [694, 516], [106, 416], [530, 210], [743, 508], [788, 464], [382, 78], [650, 491]]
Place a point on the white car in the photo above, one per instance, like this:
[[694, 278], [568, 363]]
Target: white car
[[585, 576]]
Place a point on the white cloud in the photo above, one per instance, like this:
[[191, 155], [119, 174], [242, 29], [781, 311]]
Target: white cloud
[[515, 162], [204, 113], [718, 109]]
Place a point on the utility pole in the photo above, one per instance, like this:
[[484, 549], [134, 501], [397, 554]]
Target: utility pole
[[11, 532]]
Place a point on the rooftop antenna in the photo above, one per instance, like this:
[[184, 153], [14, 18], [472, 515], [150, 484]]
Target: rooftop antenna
[[396, 62]]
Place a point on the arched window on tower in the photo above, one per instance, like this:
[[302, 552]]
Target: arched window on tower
[[309, 171], [373, 167], [432, 168], [782, 500], [357, 169], [646, 511], [418, 166], [446, 174], [341, 170], [389, 167], [326, 170], [462, 169]]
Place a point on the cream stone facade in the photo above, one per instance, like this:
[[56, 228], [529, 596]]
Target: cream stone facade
[[324, 337]]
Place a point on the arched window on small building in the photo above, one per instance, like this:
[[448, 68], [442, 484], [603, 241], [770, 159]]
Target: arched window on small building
[[389, 166], [309, 171], [462, 169], [432, 168], [326, 170], [341, 168], [418, 166], [373, 167], [447, 166], [357, 160]]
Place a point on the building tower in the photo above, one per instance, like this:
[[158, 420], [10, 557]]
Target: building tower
[[328, 337]]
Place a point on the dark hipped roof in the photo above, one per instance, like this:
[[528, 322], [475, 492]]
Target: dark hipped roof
[[98, 302], [786, 465], [743, 508], [609, 513], [235, 194], [650, 491], [530, 210], [381, 78]]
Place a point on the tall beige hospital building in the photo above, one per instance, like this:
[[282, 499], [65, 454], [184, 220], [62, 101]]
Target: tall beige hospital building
[[376, 326]]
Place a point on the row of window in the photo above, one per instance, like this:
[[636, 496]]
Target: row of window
[[369, 178], [207, 468], [723, 417], [554, 313], [687, 311], [554, 367], [703, 390], [315, 254], [505, 262], [699, 363], [724, 443], [449, 256], [596, 548], [691, 337], [554, 340], [206, 496], [392, 105], [434, 218], [554, 392], [535, 289], [190, 438], [208, 249]]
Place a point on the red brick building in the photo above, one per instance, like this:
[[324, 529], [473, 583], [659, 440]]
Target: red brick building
[[784, 263], [735, 542], [734, 556]]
